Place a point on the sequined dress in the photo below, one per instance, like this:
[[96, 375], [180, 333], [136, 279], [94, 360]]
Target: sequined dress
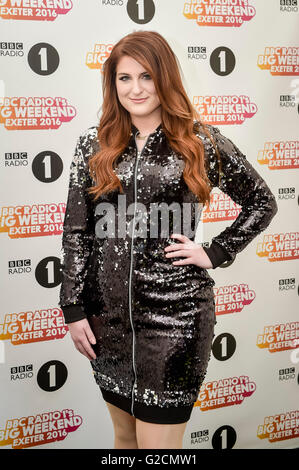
[[153, 321]]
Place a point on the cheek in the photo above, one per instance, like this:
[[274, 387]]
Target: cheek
[[121, 90], [151, 88], [154, 95]]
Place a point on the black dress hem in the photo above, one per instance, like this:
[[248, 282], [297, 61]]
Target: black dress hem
[[147, 413]]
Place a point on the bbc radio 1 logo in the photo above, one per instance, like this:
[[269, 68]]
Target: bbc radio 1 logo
[[43, 58], [287, 284], [19, 266], [225, 437], [47, 165], [224, 346], [287, 193], [222, 59], [11, 48], [289, 373], [140, 12], [50, 377], [289, 5], [21, 372], [47, 271], [287, 101]]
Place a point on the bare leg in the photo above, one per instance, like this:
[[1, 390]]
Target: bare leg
[[124, 428], [159, 436]]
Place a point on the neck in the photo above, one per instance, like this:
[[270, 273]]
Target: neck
[[146, 126]]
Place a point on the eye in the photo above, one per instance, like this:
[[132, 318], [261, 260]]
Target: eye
[[125, 77]]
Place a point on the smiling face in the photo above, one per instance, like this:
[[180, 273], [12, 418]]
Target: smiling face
[[136, 89]]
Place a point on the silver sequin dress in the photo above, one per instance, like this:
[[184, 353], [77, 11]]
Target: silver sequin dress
[[153, 321]]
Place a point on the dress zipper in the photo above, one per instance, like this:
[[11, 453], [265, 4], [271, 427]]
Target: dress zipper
[[138, 155]]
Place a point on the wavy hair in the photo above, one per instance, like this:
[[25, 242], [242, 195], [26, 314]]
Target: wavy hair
[[153, 52]]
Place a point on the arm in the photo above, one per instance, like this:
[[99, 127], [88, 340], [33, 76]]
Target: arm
[[78, 235], [246, 187]]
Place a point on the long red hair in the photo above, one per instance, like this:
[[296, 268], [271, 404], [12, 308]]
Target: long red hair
[[153, 52]]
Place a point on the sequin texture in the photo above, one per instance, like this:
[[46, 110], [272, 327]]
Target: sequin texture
[[153, 321]]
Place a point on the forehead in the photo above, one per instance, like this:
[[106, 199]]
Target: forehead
[[127, 64]]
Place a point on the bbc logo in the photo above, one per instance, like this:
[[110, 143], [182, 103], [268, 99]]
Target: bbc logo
[[19, 369]]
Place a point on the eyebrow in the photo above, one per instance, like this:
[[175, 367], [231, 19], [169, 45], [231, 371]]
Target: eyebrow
[[126, 73]]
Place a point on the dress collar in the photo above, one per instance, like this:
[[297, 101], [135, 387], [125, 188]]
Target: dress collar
[[134, 129]]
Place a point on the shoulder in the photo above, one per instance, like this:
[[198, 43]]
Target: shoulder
[[203, 130], [84, 149], [208, 135], [88, 137], [86, 144], [224, 144]]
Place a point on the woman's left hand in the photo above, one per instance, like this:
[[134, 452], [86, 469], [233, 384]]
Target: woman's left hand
[[194, 253]]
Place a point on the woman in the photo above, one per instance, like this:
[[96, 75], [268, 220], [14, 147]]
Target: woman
[[141, 307]]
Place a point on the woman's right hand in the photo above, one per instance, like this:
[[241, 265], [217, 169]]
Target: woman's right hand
[[82, 337]]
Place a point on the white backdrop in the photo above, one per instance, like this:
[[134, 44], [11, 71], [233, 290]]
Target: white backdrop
[[50, 65]]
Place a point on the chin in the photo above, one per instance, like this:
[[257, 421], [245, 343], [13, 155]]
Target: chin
[[140, 112]]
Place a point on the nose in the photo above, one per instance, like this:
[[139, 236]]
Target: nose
[[136, 86]]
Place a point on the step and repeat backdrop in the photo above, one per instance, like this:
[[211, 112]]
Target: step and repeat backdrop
[[240, 66]]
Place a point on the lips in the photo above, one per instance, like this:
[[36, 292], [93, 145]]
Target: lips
[[139, 100]]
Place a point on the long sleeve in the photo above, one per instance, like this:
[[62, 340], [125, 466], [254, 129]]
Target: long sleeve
[[243, 184], [78, 236]]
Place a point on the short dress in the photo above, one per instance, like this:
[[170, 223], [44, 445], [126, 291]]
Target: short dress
[[153, 321]]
